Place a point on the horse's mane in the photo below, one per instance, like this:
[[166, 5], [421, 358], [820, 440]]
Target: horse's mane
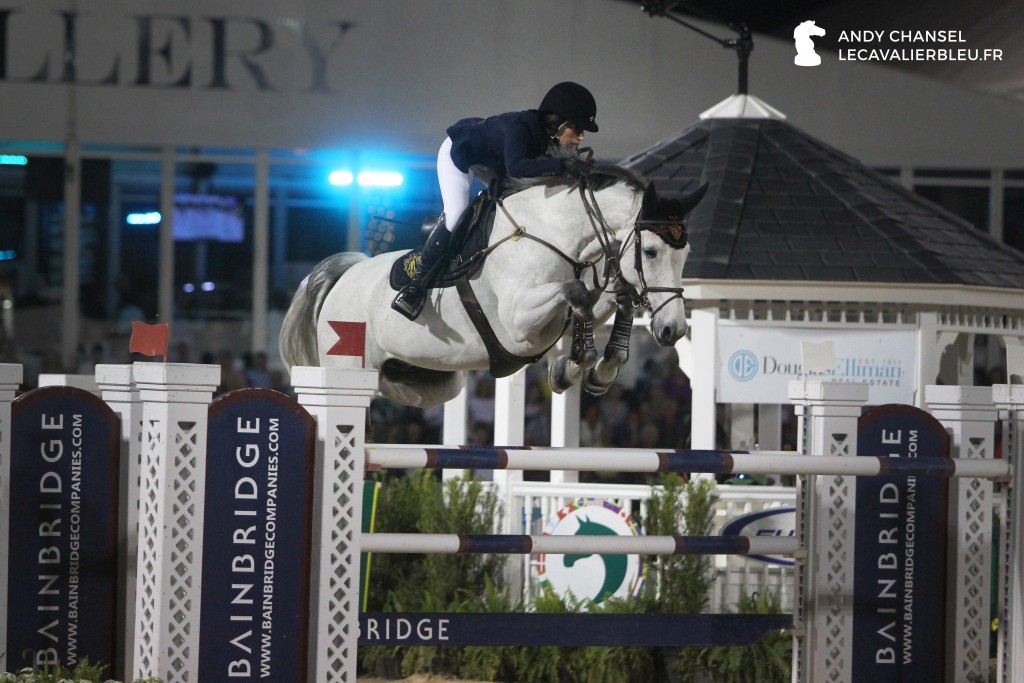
[[599, 176]]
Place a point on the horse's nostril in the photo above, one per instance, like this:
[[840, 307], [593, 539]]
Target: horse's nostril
[[666, 334]]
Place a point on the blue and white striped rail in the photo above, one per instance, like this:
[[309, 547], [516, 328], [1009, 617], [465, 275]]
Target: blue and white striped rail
[[511, 544], [644, 460]]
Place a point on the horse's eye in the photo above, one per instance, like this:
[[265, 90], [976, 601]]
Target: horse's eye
[[650, 252]]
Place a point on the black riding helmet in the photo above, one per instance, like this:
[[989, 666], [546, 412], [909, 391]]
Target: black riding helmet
[[573, 103]]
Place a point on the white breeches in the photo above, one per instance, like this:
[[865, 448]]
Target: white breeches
[[455, 184]]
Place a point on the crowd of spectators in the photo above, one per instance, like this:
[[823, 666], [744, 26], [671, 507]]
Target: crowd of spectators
[[238, 370], [651, 411]]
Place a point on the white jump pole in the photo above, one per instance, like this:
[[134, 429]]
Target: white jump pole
[[396, 456], [567, 545]]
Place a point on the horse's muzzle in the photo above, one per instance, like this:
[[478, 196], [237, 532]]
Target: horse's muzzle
[[668, 334]]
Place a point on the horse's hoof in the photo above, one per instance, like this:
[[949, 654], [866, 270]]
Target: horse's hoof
[[556, 375], [594, 387]]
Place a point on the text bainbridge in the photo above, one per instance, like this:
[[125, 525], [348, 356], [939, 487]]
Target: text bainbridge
[[896, 514], [250, 559], [57, 555]]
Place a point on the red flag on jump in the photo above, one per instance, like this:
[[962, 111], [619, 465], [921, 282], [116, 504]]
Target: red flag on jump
[[351, 340], [149, 340]]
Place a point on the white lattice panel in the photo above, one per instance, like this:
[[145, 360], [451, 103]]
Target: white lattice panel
[[1010, 666], [825, 525], [968, 415], [175, 401], [339, 400], [147, 605]]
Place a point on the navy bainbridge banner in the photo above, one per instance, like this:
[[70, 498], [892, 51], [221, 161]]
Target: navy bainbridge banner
[[62, 581], [899, 615], [254, 620]]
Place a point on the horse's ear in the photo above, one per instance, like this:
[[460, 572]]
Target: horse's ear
[[687, 203], [650, 203]]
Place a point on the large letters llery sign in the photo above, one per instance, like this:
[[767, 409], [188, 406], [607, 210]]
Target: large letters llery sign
[[257, 538], [900, 561], [63, 514]]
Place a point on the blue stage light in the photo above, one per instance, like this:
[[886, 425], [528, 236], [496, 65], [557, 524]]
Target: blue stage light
[[340, 178], [144, 218], [379, 179]]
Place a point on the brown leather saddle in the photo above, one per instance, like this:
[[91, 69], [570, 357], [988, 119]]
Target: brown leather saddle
[[469, 238]]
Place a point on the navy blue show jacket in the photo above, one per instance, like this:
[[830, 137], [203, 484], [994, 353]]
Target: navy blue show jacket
[[512, 144]]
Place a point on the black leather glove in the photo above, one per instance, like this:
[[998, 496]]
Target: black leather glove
[[577, 168]]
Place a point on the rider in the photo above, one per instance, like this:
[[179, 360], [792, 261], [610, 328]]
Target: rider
[[515, 144]]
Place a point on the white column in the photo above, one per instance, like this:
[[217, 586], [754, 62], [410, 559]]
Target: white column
[[121, 394], [968, 415], [11, 376], [769, 427], [704, 339], [741, 426], [165, 271], [930, 345], [260, 252], [175, 402], [70, 315], [1009, 398], [565, 428], [455, 411], [339, 399], [509, 420], [454, 429], [826, 509]]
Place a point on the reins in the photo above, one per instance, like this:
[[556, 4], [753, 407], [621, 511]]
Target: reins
[[638, 296]]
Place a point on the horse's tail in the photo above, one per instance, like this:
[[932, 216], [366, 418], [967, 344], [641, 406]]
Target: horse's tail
[[298, 331]]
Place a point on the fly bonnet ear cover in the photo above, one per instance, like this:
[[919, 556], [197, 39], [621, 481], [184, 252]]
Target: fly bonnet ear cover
[[664, 217]]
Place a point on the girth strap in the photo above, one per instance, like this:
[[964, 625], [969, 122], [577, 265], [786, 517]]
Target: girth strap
[[502, 363]]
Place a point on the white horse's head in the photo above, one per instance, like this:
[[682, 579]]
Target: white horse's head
[[653, 260]]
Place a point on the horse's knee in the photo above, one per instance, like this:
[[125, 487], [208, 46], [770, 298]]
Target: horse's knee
[[579, 298]]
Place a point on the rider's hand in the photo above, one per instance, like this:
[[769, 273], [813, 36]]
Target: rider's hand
[[577, 168]]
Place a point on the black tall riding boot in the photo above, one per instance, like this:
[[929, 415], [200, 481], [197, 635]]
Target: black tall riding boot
[[409, 301]]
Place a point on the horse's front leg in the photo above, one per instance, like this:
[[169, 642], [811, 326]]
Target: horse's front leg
[[566, 371], [531, 308], [601, 376]]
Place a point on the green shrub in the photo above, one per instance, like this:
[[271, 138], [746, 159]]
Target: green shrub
[[680, 584], [420, 502], [84, 672], [769, 660]]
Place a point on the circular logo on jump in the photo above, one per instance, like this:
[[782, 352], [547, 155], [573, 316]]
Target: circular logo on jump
[[743, 365], [590, 576]]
